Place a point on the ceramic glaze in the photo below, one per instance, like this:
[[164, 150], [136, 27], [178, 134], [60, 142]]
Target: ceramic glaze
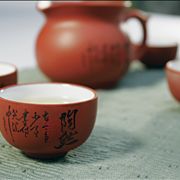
[[82, 42], [6, 69], [43, 129], [46, 100], [47, 93]]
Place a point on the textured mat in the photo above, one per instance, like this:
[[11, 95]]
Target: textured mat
[[137, 136]]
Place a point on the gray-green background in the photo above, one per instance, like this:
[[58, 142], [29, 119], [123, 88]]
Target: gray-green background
[[167, 7]]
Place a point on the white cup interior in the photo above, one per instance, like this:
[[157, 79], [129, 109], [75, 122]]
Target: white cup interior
[[175, 65], [47, 93], [6, 69], [161, 42]]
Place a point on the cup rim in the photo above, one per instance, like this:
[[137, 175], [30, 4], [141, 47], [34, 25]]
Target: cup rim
[[51, 104], [166, 46], [10, 73], [172, 69]]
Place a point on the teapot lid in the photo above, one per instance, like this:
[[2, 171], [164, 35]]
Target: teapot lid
[[43, 5]]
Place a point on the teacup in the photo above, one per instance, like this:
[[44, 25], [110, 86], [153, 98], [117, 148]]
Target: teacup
[[156, 55], [46, 120], [173, 78], [8, 74]]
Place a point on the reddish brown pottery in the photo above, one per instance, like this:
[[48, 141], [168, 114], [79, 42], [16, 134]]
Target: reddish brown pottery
[[47, 130], [82, 42], [8, 74]]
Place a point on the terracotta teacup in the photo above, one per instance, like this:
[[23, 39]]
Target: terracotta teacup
[[8, 74], [173, 78], [49, 119]]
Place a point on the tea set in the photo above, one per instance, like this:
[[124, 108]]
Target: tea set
[[81, 47]]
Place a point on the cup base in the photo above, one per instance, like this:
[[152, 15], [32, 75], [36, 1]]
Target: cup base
[[45, 156], [157, 66]]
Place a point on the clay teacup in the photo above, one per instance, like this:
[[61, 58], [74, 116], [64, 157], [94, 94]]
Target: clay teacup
[[8, 74], [47, 120], [173, 78], [156, 55]]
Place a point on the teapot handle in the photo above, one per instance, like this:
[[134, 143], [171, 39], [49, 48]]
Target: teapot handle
[[137, 50]]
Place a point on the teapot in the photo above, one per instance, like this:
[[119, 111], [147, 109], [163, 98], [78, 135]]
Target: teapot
[[83, 42]]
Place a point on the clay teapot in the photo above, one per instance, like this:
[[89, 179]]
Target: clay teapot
[[82, 41]]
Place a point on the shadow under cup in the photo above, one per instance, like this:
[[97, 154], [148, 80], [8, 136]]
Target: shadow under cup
[[47, 120]]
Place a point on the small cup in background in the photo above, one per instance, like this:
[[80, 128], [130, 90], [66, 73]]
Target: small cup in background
[[8, 74], [156, 55], [173, 78]]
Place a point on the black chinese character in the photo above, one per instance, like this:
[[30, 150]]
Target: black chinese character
[[63, 121], [45, 116], [9, 113], [66, 139], [35, 117], [68, 125], [25, 114], [14, 114], [71, 115], [36, 130]]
